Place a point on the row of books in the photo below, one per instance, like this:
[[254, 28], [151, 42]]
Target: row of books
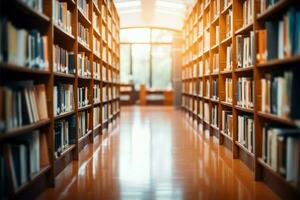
[[83, 34], [83, 123], [65, 134], [96, 46], [62, 16], [22, 158], [82, 93], [105, 112], [206, 112], [84, 65], [281, 38], [227, 122], [97, 72], [229, 23], [245, 132], [229, 61], [266, 4], [228, 90], [215, 95], [84, 7], [207, 91], [280, 94], [245, 92], [214, 116], [22, 103], [215, 63], [215, 6], [63, 98], [96, 24], [280, 150], [97, 93], [248, 12], [63, 60], [34, 4], [26, 48], [96, 116], [245, 50]]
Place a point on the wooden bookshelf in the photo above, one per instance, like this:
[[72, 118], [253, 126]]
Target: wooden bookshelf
[[106, 18], [201, 24]]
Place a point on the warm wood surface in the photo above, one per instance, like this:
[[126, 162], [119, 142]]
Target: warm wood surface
[[155, 153]]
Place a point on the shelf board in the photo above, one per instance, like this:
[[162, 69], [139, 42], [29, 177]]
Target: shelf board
[[70, 148], [244, 69], [248, 110], [276, 118], [215, 20], [63, 75], [83, 47], [214, 127], [214, 100], [82, 17], [226, 8], [225, 135], [245, 29], [97, 127], [84, 107], [85, 136], [214, 74], [31, 12], [22, 69], [224, 103], [61, 31], [226, 72], [42, 172], [214, 47], [272, 10], [86, 78], [279, 62], [23, 129], [64, 115], [227, 40], [244, 149]]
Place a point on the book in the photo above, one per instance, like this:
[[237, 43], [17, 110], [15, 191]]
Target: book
[[83, 123], [228, 90], [215, 90], [62, 16], [83, 65], [22, 103], [65, 135], [245, 132], [97, 93], [63, 98], [227, 122], [82, 94], [245, 92], [83, 35], [279, 94], [247, 12], [24, 48], [63, 60], [245, 50], [281, 151], [214, 116]]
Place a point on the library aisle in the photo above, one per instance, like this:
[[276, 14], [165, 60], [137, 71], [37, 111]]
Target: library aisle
[[154, 153]]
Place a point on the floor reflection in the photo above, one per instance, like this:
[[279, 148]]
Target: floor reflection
[[155, 153]]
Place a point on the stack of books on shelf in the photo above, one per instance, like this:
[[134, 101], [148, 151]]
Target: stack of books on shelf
[[247, 12], [245, 50], [228, 90], [280, 150], [214, 114], [22, 103], [97, 73], [65, 134], [63, 60], [63, 98], [62, 16], [245, 92], [227, 122], [27, 155], [83, 35], [97, 94], [82, 93], [280, 94], [21, 47], [83, 65], [83, 123], [96, 117], [83, 6], [245, 130]]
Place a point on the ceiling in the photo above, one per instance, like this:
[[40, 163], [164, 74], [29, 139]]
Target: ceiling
[[153, 13]]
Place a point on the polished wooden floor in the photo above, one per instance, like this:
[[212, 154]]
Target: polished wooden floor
[[154, 153]]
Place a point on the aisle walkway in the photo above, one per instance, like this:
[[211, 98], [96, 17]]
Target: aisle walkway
[[155, 154]]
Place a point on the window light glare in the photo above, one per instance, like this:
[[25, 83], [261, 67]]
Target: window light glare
[[128, 4], [168, 4]]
